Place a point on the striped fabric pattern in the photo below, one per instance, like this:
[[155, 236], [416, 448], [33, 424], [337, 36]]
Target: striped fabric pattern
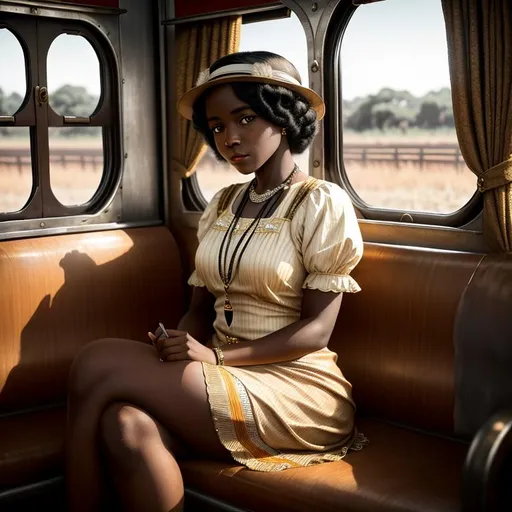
[[273, 417]]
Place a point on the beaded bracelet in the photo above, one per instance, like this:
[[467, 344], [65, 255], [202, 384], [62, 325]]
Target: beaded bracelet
[[219, 356]]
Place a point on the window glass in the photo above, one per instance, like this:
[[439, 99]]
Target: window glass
[[76, 163], [15, 158], [74, 83], [13, 84], [15, 168], [287, 38], [400, 150]]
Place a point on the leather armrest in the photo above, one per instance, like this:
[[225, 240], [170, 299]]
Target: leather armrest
[[488, 467]]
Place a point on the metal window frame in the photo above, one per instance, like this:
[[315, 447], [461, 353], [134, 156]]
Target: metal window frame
[[334, 142], [104, 209]]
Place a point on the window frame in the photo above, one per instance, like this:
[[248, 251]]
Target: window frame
[[334, 158], [43, 210]]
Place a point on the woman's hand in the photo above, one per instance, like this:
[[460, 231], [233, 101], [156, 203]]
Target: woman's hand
[[181, 346]]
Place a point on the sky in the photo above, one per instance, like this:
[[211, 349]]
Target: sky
[[396, 43]]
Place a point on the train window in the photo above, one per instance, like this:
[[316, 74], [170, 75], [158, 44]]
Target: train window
[[70, 126], [284, 36], [15, 156], [13, 85], [400, 149], [76, 163], [80, 94], [15, 168]]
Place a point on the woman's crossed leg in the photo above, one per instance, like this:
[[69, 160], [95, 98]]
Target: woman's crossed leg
[[143, 411]]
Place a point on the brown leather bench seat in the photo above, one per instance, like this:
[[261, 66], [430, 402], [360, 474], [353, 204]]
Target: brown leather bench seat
[[57, 294], [395, 342], [31, 447], [400, 471]]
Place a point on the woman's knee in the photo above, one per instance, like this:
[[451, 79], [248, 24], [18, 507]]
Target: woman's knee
[[91, 366], [124, 431]]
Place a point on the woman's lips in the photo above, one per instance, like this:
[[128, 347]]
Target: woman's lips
[[238, 158]]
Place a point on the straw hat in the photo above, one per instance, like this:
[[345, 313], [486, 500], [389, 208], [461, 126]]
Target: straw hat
[[260, 72]]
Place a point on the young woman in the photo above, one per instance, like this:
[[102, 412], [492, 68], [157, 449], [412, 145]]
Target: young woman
[[258, 384]]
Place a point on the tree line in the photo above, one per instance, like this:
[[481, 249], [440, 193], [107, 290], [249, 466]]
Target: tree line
[[388, 109], [392, 109], [68, 100]]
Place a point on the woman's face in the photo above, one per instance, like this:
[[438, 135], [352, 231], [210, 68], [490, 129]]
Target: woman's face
[[243, 138]]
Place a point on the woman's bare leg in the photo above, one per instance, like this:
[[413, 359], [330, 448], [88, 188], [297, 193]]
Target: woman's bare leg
[[141, 459], [113, 370]]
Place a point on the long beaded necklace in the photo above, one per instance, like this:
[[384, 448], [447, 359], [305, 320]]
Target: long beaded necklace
[[228, 270]]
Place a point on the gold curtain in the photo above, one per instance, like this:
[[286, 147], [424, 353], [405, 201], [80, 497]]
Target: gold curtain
[[198, 45], [479, 36]]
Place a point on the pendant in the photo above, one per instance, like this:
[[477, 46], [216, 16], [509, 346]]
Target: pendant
[[228, 311]]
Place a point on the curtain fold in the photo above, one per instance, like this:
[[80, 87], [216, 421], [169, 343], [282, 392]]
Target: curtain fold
[[479, 34], [198, 45]]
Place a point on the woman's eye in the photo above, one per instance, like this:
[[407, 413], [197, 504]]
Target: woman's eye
[[216, 129], [247, 119]]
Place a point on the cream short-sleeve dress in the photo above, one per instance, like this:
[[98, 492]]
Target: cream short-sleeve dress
[[281, 415]]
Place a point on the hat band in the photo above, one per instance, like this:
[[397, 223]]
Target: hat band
[[259, 69]]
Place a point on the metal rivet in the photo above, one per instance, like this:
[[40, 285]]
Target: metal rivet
[[406, 217], [314, 6], [123, 81], [42, 224], [314, 66], [126, 155], [316, 163]]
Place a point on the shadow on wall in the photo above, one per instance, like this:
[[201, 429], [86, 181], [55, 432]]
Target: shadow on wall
[[119, 284]]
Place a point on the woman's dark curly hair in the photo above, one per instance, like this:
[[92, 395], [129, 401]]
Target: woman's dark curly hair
[[276, 104]]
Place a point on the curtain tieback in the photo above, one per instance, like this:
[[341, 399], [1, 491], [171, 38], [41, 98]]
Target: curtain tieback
[[497, 176]]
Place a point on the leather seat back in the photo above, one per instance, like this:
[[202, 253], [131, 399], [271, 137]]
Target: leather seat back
[[395, 338], [59, 293]]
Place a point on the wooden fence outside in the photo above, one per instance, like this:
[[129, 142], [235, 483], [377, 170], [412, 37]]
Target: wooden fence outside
[[423, 155], [21, 159]]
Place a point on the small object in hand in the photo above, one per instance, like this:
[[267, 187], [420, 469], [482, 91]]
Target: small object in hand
[[164, 331]]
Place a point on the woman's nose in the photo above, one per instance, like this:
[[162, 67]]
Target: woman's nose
[[232, 138]]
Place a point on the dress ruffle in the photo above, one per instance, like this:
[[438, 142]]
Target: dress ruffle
[[194, 280], [331, 283]]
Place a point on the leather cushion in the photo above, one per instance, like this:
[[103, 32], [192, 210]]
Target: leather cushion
[[31, 447], [400, 470], [394, 339], [58, 293]]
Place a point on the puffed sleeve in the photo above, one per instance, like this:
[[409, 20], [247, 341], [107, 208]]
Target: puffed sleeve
[[206, 221], [326, 233]]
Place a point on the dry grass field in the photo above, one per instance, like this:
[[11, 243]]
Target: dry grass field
[[435, 188], [72, 183]]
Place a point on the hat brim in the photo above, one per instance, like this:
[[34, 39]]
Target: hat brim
[[186, 102]]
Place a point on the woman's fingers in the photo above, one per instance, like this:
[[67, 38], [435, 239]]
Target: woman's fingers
[[163, 343], [180, 356], [174, 333], [173, 349]]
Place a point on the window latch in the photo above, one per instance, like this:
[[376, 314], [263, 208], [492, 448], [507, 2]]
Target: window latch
[[41, 95]]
